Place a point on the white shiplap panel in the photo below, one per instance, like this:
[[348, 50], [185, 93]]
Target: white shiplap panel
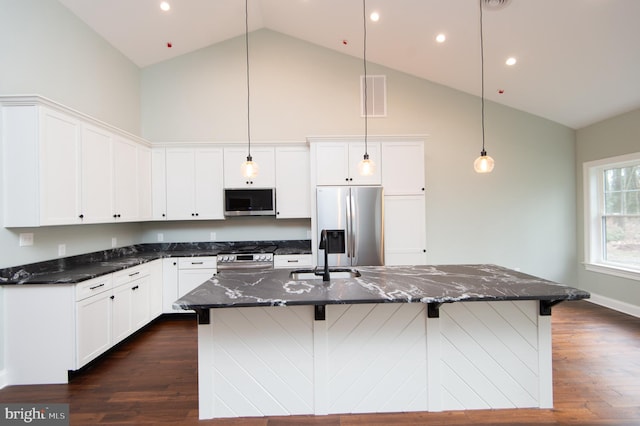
[[523, 317], [268, 362], [476, 351], [515, 340], [381, 362]]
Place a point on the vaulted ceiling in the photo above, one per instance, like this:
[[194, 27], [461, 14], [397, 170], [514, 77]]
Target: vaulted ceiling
[[578, 61]]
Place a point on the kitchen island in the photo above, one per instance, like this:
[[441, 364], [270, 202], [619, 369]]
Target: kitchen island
[[389, 340]]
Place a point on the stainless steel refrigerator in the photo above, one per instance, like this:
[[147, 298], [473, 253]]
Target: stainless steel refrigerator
[[357, 213]]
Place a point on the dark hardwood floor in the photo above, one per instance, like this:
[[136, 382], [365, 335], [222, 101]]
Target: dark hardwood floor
[[151, 379]]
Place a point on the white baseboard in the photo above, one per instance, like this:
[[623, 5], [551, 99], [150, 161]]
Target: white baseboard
[[3, 378], [616, 305]]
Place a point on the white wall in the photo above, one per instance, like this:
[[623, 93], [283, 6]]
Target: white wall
[[609, 138], [520, 216], [46, 50]]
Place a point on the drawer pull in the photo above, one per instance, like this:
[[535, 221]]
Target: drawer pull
[[96, 286], [292, 260], [135, 273], [135, 287], [197, 263]]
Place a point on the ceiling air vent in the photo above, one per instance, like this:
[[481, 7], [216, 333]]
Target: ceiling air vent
[[376, 96], [495, 4]]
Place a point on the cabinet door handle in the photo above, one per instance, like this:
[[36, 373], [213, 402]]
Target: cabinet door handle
[[112, 297], [81, 216], [96, 286], [135, 273], [135, 288]]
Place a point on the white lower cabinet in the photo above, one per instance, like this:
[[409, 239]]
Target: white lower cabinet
[[93, 318], [404, 230], [287, 261], [180, 275], [193, 271], [111, 308]]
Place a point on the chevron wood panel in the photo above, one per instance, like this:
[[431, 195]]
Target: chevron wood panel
[[490, 355], [262, 361], [377, 358]]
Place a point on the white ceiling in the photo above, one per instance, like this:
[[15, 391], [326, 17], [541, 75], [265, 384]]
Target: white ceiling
[[578, 60]]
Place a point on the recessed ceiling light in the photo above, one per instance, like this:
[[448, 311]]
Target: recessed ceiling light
[[511, 61], [440, 38], [165, 6], [375, 16]]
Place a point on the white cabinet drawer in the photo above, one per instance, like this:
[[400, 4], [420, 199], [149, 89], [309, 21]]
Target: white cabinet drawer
[[205, 262], [93, 286], [292, 261], [130, 274]]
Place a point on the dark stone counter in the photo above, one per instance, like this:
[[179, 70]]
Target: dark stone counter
[[377, 284], [74, 269]]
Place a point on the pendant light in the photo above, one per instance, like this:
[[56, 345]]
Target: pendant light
[[366, 167], [249, 168], [484, 163]]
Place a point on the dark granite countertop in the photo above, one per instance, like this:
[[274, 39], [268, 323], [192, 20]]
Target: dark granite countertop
[[75, 269], [377, 284]]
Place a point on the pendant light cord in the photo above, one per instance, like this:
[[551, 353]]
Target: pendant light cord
[[366, 113], [482, 75], [246, 42]]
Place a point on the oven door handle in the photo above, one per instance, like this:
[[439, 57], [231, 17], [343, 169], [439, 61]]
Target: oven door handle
[[240, 267]]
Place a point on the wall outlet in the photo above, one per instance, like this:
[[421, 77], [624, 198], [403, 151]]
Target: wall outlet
[[160, 237], [26, 239], [309, 233], [62, 249], [213, 236], [114, 242]]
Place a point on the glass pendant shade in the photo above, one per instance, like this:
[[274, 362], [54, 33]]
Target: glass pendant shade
[[484, 163], [366, 167], [249, 168]]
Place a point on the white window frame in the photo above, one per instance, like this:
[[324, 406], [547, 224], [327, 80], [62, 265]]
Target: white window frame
[[593, 212]]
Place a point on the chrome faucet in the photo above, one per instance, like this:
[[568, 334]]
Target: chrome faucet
[[324, 245]]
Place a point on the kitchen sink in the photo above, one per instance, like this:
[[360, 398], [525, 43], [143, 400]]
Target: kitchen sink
[[316, 274]]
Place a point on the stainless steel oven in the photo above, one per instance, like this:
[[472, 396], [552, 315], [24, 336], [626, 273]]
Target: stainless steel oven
[[246, 257]]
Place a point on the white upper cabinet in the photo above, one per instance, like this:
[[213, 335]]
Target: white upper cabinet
[[97, 175], [53, 163], [194, 183], [264, 156], [292, 182], [159, 184], [403, 169], [337, 163], [145, 189], [125, 181], [59, 166]]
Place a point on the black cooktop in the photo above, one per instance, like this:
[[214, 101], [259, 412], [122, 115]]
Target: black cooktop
[[249, 249]]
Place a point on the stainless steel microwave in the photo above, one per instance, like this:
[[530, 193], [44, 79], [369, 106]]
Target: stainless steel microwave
[[250, 202]]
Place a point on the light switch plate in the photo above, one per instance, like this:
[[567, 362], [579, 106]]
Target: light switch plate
[[62, 249], [26, 239], [114, 242]]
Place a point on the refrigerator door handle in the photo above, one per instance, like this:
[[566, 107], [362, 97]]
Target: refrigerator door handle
[[351, 240]]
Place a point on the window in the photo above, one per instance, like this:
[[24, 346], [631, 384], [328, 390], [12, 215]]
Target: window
[[612, 215]]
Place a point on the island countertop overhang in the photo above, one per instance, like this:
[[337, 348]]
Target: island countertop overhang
[[429, 284]]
